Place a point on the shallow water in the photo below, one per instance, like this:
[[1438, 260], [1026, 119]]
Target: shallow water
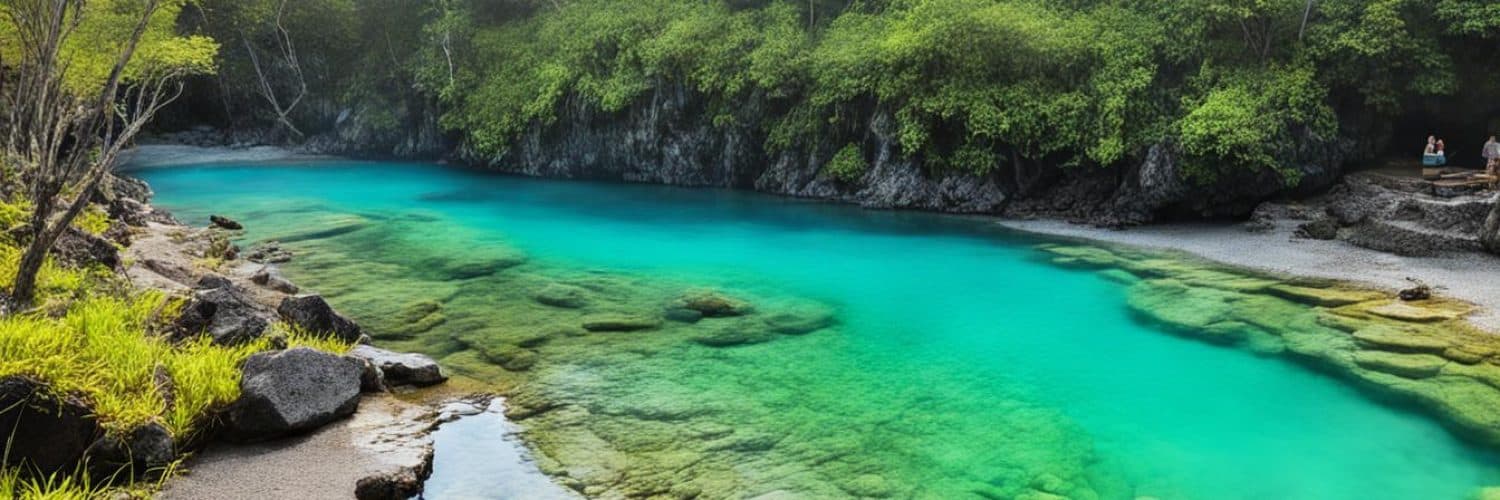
[[961, 364]]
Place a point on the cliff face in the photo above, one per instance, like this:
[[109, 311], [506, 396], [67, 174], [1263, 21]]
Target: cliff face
[[667, 138]]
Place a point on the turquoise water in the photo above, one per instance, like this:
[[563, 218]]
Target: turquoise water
[[962, 363]]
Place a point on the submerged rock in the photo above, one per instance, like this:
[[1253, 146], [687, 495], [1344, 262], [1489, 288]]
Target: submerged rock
[[225, 223], [732, 335], [313, 314], [268, 252], [412, 319], [619, 322], [713, 304], [402, 368], [510, 357], [463, 268], [1405, 312], [564, 296], [293, 391], [799, 321], [1402, 365], [1391, 339], [271, 278], [682, 314], [1326, 297]]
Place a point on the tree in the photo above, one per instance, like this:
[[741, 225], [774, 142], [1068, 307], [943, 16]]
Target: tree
[[74, 105]]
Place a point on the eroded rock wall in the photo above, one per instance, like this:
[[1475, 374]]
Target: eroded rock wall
[[669, 138]]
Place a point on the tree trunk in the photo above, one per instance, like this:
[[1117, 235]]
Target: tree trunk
[[24, 290]]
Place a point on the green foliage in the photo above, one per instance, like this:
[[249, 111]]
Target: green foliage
[[13, 216], [848, 165], [608, 54], [1470, 17], [57, 486], [295, 336], [1246, 119], [104, 25], [965, 83], [92, 220]]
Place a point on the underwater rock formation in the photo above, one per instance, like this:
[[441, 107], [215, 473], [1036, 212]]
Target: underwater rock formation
[[1420, 352]]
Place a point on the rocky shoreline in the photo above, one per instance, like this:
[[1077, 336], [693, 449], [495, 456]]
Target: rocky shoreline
[[358, 421], [1363, 232]]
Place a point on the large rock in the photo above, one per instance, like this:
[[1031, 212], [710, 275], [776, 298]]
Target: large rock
[[77, 248], [313, 314], [619, 322], [142, 452], [271, 278], [225, 223], [293, 391], [223, 312], [42, 431], [402, 368]]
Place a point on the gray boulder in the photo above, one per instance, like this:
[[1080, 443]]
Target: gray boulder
[[313, 314], [44, 432], [223, 312], [402, 368], [293, 391], [77, 248], [271, 278], [1326, 228], [139, 453]]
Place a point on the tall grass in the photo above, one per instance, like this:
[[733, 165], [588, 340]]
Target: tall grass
[[101, 351], [97, 339], [54, 487]]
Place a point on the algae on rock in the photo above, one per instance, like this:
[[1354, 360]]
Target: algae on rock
[[1423, 352]]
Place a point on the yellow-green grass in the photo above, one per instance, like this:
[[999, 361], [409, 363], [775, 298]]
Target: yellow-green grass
[[298, 337], [97, 339], [92, 220], [64, 486], [102, 351], [55, 487]]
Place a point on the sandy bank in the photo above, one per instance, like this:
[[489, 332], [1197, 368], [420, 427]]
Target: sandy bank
[[1471, 277]]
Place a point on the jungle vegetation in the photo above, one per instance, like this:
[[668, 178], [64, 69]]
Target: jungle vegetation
[[968, 82]]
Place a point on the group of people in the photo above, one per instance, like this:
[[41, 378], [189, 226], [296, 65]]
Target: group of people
[[1434, 155]]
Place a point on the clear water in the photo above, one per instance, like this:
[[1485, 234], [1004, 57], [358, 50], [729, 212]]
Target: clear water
[[963, 365]]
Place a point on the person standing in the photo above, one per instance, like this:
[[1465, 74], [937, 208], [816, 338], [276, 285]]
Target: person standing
[[1492, 156]]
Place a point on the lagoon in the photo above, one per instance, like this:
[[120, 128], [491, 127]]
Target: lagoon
[[946, 357]]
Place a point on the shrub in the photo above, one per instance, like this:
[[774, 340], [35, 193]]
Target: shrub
[[848, 165]]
